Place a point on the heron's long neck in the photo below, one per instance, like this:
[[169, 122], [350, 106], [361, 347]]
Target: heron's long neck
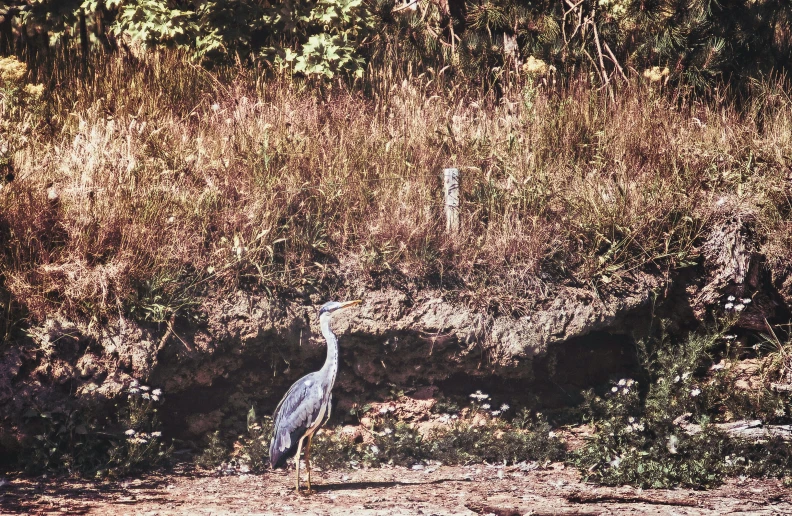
[[331, 363]]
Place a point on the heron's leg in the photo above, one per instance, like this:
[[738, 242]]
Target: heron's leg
[[308, 460], [297, 463]]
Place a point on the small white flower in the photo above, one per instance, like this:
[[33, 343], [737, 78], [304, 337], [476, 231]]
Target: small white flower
[[391, 409], [622, 382], [383, 410], [504, 407], [739, 308], [145, 388], [134, 390], [495, 413], [676, 379], [728, 306], [672, 443], [615, 462], [130, 432], [387, 431], [154, 397], [134, 383], [551, 434], [695, 392], [157, 392], [685, 376], [374, 449], [729, 337], [631, 419], [215, 107], [145, 396], [156, 434], [486, 406], [746, 300], [718, 366], [730, 298], [630, 382], [454, 416], [614, 389]]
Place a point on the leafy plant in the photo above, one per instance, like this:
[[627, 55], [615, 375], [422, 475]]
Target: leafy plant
[[462, 441], [214, 454], [79, 441], [638, 439], [254, 448], [495, 441]]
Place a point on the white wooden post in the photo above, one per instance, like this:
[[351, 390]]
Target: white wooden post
[[451, 191]]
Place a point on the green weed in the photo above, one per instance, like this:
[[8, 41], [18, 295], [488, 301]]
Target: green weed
[[460, 442], [78, 441], [638, 437]]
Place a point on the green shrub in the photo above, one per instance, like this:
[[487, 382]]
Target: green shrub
[[215, 453], [495, 442], [638, 440], [80, 441], [462, 441], [254, 448]]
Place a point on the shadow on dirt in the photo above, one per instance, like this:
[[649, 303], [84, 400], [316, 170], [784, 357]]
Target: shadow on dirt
[[350, 486], [23, 496]]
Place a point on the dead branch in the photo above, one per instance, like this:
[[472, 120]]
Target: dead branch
[[603, 70], [615, 61]]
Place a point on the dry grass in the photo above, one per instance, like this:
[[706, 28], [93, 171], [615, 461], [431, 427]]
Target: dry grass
[[172, 180]]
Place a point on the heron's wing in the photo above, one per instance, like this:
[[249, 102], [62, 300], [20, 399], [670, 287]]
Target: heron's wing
[[295, 414]]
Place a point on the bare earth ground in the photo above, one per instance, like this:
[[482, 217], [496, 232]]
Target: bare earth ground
[[445, 490]]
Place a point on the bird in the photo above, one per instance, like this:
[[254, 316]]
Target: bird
[[306, 405]]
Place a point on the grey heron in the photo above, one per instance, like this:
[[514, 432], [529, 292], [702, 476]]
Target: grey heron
[[306, 405]]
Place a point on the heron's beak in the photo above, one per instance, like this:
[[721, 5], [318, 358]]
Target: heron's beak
[[347, 304]]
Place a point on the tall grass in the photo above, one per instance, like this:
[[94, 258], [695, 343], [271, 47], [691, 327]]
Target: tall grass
[[168, 182]]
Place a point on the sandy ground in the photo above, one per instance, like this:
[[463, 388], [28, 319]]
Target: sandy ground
[[469, 490]]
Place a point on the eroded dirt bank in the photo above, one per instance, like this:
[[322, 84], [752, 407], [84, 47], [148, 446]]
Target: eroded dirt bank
[[445, 490], [246, 350]]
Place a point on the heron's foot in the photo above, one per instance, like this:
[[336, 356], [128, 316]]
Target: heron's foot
[[306, 492]]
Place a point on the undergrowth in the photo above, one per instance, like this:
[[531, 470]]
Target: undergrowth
[[665, 433], [80, 441], [393, 442]]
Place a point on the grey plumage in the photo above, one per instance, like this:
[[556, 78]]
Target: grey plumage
[[306, 405], [303, 404]]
